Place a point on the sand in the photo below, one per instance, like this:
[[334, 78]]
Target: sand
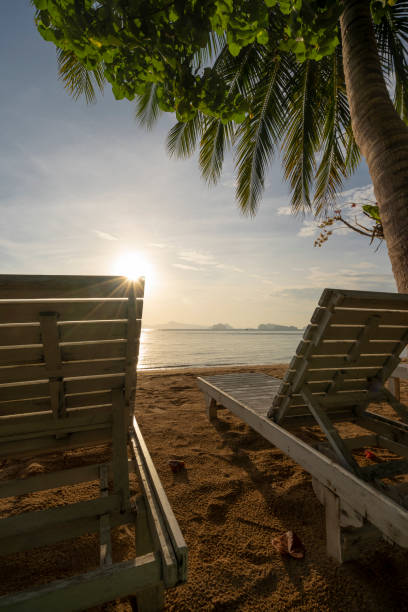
[[236, 494]]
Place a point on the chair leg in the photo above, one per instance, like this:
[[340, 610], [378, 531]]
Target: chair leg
[[347, 535], [151, 600], [394, 387], [212, 408]]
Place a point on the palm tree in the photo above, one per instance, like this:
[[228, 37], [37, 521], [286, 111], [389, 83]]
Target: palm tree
[[379, 129], [321, 114]]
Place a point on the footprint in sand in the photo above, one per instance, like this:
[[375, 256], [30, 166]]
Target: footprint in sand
[[217, 512]]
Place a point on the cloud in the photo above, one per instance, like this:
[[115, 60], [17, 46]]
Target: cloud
[[228, 267], [185, 266], [196, 257], [360, 195], [364, 265], [298, 293], [284, 210], [350, 278], [104, 235], [309, 229], [157, 245]]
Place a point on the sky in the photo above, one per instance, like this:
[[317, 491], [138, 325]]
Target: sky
[[84, 190]]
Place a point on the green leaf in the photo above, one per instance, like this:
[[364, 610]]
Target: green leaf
[[372, 211], [262, 37]]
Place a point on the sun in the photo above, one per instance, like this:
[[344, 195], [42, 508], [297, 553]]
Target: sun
[[133, 265]]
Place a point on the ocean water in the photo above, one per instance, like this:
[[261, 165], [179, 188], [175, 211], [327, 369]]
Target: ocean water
[[178, 348]]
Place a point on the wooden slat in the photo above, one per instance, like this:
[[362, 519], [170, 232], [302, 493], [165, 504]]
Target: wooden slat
[[359, 317], [21, 286], [346, 332], [401, 371], [57, 479], [343, 347], [28, 521], [105, 542], [168, 537], [49, 443], [92, 330], [19, 355], [343, 454], [351, 298], [25, 333], [349, 374], [94, 350], [88, 399], [26, 406], [74, 310], [64, 531], [95, 383], [120, 428], [326, 363], [22, 355], [90, 589], [52, 356], [49, 480], [35, 423], [393, 430], [69, 370], [16, 391], [302, 364], [49, 335]]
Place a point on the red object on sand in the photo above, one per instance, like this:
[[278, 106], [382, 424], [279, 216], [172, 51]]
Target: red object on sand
[[289, 544], [176, 465], [369, 455]]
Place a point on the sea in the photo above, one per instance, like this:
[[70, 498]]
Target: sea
[[176, 348]]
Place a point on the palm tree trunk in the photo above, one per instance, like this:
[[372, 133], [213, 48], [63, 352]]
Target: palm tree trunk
[[380, 133]]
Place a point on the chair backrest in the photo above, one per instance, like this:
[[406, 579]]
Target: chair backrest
[[353, 342], [65, 343]]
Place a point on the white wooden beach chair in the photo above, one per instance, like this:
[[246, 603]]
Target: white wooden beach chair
[[349, 350], [68, 354]]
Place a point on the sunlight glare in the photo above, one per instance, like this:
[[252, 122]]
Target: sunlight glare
[[133, 265]]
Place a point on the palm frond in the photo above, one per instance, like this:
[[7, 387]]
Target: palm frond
[[259, 135], [207, 55], [340, 154], [216, 138], [183, 137], [303, 134], [353, 153], [392, 42], [147, 107], [78, 80]]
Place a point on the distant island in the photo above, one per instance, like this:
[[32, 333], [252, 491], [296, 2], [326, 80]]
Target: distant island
[[274, 327], [221, 327], [269, 327]]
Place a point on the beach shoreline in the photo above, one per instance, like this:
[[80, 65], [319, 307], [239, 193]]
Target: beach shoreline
[[236, 494]]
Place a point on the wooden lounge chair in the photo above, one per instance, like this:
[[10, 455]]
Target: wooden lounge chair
[[68, 355], [349, 350]]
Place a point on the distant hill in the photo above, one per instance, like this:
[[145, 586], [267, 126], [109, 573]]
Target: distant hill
[[219, 326], [175, 325], [274, 327]]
